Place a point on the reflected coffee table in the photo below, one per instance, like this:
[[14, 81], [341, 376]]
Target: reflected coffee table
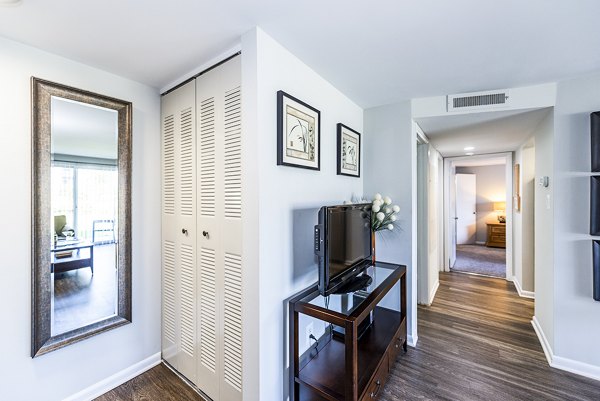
[[82, 256]]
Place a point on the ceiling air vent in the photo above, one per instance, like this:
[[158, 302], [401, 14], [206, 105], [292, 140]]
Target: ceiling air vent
[[478, 101]]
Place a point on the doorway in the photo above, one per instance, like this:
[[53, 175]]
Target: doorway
[[479, 205], [480, 217]]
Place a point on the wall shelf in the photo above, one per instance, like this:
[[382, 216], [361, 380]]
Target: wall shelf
[[595, 131]]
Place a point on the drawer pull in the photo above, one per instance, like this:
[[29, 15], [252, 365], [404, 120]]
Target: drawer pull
[[374, 393]]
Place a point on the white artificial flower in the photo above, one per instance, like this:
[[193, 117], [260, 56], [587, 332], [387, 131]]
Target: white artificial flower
[[377, 203], [393, 217], [387, 210], [377, 196], [390, 226], [380, 216], [376, 208], [387, 200], [396, 208]]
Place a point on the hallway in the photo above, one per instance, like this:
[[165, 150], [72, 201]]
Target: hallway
[[476, 342]]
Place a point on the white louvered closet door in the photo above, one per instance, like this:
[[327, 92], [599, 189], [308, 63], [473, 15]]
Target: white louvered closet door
[[179, 337], [218, 99]]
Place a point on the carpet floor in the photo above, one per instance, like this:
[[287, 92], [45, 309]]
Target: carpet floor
[[481, 260]]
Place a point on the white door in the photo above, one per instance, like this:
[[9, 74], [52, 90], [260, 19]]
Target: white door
[[218, 99], [466, 198], [178, 230]]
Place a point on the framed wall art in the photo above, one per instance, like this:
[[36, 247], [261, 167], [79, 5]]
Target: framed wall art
[[298, 133], [348, 151]]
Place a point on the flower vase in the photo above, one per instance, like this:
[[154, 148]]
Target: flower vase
[[373, 247]]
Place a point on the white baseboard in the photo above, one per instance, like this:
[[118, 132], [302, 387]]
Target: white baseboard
[[115, 380], [412, 341], [521, 291], [559, 362], [433, 292], [479, 242], [579, 368], [543, 340]]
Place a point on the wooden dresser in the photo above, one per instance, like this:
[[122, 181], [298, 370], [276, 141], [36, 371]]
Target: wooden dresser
[[496, 235]]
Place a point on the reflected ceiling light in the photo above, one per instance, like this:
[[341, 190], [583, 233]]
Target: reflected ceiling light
[[469, 148], [10, 3], [469, 153]]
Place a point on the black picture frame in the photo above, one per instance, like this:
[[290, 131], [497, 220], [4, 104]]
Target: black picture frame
[[595, 139], [595, 205], [341, 129], [596, 271], [283, 158]]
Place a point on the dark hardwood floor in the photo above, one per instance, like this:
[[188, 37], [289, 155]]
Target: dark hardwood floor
[[81, 298], [476, 342], [157, 384]]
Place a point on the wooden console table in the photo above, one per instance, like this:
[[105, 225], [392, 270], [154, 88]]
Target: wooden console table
[[77, 260], [354, 368], [496, 235]]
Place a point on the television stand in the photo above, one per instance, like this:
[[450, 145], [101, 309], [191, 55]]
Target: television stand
[[354, 284], [356, 368]]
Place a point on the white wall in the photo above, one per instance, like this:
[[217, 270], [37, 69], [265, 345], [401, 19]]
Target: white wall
[[577, 315], [62, 373], [544, 227], [289, 197], [524, 220], [391, 152], [490, 188]]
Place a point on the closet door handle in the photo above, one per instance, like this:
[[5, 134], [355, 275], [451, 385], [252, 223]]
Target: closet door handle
[[184, 231], [205, 233]]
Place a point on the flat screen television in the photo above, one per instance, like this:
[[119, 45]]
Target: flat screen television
[[343, 244]]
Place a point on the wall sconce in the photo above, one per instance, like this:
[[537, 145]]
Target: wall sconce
[[500, 208]]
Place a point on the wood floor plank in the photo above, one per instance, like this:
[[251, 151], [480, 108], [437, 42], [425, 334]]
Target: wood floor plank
[[476, 342], [157, 384]]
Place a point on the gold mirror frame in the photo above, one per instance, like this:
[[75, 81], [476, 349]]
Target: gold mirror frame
[[42, 340]]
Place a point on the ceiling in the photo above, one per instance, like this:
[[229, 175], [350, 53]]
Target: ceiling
[[489, 132], [478, 162], [79, 129], [374, 53]]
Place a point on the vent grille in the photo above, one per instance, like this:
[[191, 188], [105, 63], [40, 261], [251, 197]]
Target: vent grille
[[233, 321], [479, 100], [169, 165], [169, 290], [188, 300], [233, 154], [207, 157], [208, 309], [187, 163]]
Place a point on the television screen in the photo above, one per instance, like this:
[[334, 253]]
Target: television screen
[[348, 237]]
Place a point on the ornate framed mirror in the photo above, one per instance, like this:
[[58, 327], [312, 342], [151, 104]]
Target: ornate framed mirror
[[81, 215]]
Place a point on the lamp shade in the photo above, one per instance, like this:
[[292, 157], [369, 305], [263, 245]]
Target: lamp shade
[[499, 206]]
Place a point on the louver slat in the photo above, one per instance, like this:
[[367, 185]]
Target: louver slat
[[207, 158], [233, 320], [188, 300], [208, 309], [169, 165], [233, 154]]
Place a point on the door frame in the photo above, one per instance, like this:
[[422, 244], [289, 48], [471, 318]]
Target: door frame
[[449, 162]]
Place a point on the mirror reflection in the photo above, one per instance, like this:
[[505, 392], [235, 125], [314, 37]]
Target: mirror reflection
[[84, 212]]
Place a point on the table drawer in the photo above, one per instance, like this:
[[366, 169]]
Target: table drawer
[[375, 388], [396, 344], [498, 238], [498, 230]]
